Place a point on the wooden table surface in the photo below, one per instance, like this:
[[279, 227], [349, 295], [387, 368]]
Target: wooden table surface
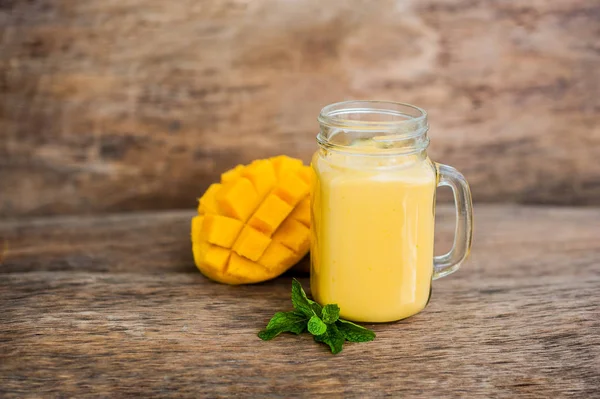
[[113, 306]]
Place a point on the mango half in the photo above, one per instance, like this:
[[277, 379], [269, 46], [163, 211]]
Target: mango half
[[255, 224]]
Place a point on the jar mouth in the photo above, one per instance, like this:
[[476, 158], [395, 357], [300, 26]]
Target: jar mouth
[[372, 114], [389, 127]]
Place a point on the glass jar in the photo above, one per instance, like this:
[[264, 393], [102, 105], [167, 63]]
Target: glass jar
[[373, 209]]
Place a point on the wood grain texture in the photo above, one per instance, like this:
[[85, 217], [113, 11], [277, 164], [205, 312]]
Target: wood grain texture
[[111, 105], [85, 314]]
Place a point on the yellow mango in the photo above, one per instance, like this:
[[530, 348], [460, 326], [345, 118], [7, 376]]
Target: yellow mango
[[291, 189], [284, 165], [301, 212], [262, 175], [293, 235], [254, 225], [270, 214], [207, 203], [244, 270], [238, 199], [209, 269], [278, 257], [220, 230], [197, 222], [232, 174], [213, 258], [251, 243], [306, 174], [216, 257]]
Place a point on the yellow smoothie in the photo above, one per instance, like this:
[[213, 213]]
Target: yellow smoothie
[[373, 222]]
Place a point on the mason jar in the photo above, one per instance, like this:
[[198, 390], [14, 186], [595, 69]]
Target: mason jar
[[373, 210]]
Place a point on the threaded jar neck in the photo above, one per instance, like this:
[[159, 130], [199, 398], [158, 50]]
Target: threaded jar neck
[[373, 128]]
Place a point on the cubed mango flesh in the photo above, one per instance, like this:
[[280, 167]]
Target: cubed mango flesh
[[221, 230], [212, 256], [251, 243], [270, 214], [208, 202], [278, 257], [232, 174], [262, 175], [245, 270], [254, 225], [301, 212], [238, 199], [291, 189], [293, 235], [306, 174], [284, 165], [197, 222]]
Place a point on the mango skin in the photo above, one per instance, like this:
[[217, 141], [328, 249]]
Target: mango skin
[[255, 224]]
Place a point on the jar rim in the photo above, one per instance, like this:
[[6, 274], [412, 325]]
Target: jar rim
[[330, 114], [403, 126]]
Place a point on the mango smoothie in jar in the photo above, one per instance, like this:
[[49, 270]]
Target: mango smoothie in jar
[[373, 210]]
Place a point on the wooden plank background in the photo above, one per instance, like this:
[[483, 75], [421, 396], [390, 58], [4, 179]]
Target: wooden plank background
[[112, 105], [112, 306]]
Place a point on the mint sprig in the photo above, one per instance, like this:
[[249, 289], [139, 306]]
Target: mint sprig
[[294, 322], [331, 313], [323, 323]]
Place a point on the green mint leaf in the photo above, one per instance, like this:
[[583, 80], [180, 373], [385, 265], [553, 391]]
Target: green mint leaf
[[267, 335], [332, 337], [301, 301], [294, 322], [316, 308], [287, 319], [331, 313], [316, 326], [323, 322], [353, 332]]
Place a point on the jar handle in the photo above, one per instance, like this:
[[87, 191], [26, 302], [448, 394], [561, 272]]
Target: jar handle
[[451, 261]]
